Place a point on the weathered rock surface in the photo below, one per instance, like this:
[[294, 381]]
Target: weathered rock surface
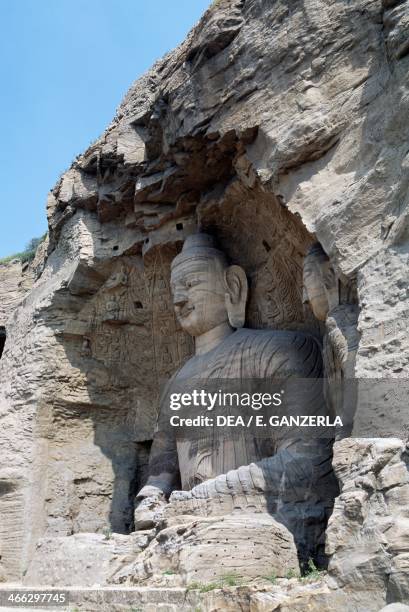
[[273, 125], [83, 559], [204, 550], [368, 535]]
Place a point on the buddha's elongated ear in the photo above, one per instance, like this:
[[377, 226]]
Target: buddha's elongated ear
[[236, 286]]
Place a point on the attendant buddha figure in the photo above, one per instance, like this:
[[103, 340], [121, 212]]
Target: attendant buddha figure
[[324, 292]]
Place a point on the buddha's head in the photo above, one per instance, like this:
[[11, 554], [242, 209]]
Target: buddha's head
[[320, 282], [207, 292]]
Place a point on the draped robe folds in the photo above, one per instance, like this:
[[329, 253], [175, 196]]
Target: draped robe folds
[[245, 354]]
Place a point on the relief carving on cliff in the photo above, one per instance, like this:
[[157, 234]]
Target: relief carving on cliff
[[129, 327]]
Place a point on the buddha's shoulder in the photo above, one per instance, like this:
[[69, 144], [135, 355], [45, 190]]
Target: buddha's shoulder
[[295, 340], [280, 351]]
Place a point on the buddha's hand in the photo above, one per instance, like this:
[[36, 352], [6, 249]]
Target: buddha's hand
[[204, 490], [199, 492], [245, 480], [150, 503]]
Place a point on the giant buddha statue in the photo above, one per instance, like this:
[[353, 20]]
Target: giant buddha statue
[[291, 472]]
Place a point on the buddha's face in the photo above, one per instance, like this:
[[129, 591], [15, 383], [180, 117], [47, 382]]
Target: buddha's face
[[319, 285], [199, 294]]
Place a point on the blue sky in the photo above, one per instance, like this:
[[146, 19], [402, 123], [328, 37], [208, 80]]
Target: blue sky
[[65, 66]]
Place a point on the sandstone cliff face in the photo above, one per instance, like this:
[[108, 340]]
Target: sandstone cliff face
[[274, 124], [10, 294]]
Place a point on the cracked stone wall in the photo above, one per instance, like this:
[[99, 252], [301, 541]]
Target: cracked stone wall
[[273, 125]]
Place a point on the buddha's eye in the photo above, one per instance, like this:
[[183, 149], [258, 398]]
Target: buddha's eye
[[192, 283]]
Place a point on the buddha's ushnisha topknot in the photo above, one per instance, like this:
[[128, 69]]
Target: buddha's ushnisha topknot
[[199, 245]]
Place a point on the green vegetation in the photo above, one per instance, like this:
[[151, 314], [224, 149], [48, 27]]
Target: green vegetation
[[211, 586], [29, 252], [271, 578], [107, 531], [168, 573], [231, 580], [291, 573], [312, 573], [194, 586], [227, 580]]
